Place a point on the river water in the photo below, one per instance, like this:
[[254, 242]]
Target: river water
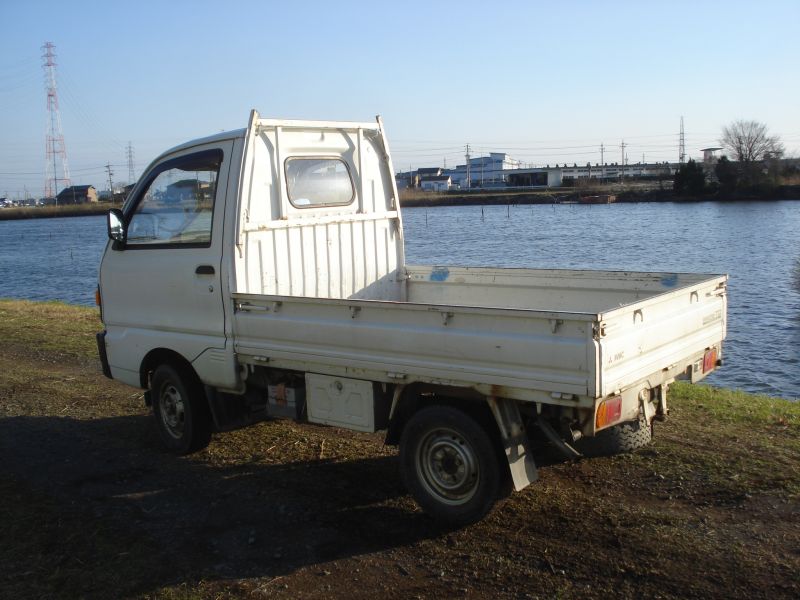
[[756, 243]]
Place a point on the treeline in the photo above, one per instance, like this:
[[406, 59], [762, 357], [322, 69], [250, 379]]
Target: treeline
[[757, 167], [736, 178]]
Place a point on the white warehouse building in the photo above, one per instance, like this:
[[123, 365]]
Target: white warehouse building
[[484, 171]]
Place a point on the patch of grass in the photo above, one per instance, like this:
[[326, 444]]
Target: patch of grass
[[725, 445], [51, 328], [735, 406]]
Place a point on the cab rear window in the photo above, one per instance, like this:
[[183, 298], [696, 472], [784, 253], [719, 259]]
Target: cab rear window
[[315, 182]]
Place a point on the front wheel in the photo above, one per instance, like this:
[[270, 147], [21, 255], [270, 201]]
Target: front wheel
[[450, 465], [180, 409]]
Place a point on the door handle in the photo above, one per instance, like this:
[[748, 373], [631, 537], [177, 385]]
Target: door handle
[[204, 270]]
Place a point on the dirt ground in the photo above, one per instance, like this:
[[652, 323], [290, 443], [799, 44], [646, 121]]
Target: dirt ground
[[91, 507]]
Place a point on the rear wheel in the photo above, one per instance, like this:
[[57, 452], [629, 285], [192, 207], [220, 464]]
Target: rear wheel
[[625, 437], [180, 409], [450, 465]]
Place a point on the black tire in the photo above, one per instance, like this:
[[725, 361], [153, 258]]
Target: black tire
[[180, 409], [619, 439], [450, 465]]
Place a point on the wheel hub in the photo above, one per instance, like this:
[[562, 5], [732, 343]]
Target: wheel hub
[[448, 466], [172, 411]]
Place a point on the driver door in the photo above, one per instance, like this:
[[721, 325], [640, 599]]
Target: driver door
[[162, 287]]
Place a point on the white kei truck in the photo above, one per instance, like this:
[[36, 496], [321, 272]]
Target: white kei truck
[[260, 273]]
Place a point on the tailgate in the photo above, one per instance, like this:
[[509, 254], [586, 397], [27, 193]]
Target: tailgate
[[667, 331]]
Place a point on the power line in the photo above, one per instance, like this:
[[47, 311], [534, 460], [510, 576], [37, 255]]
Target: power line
[[86, 169]]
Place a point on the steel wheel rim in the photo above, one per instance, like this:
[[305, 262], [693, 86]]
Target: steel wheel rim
[[448, 466], [172, 410]]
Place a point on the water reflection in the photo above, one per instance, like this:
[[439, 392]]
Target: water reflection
[[703, 237], [796, 274]]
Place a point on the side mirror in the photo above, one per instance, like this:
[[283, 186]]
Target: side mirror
[[116, 226]]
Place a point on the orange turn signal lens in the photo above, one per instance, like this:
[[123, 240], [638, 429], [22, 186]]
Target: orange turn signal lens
[[609, 411], [97, 299]]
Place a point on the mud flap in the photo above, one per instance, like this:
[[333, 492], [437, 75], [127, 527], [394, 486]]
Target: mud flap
[[515, 441], [103, 353]]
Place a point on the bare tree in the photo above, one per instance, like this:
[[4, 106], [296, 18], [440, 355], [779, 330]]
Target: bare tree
[[749, 141]]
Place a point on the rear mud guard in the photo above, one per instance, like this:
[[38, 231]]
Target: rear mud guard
[[515, 441]]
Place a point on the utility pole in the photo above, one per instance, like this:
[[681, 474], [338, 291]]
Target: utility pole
[[622, 165], [602, 162], [110, 185], [469, 182], [682, 146]]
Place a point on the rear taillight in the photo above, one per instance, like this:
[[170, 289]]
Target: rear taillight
[[609, 411], [710, 360]]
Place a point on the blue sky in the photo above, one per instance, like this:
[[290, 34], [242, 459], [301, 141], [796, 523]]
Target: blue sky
[[545, 81]]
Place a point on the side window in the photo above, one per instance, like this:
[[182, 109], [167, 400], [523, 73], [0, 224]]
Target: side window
[[178, 205], [314, 182]]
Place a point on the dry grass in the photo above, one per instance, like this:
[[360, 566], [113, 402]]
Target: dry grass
[[51, 329], [45, 212], [91, 508]]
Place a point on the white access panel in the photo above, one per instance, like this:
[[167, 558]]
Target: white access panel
[[340, 402]]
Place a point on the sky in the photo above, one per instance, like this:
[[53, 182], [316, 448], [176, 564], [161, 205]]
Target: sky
[[546, 82]]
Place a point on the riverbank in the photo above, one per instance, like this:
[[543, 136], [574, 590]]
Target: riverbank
[[49, 212], [91, 507], [628, 193]]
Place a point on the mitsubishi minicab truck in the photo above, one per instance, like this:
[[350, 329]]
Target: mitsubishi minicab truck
[[260, 273]]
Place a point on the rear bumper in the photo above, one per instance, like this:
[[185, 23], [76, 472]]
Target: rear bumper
[[101, 350]]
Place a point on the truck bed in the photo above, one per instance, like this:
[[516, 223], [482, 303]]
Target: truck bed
[[560, 336]]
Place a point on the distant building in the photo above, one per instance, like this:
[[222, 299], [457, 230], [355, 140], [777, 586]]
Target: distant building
[[126, 191], [77, 194], [535, 177], [407, 179], [498, 170], [709, 155], [435, 183], [615, 172], [484, 171], [710, 160]]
